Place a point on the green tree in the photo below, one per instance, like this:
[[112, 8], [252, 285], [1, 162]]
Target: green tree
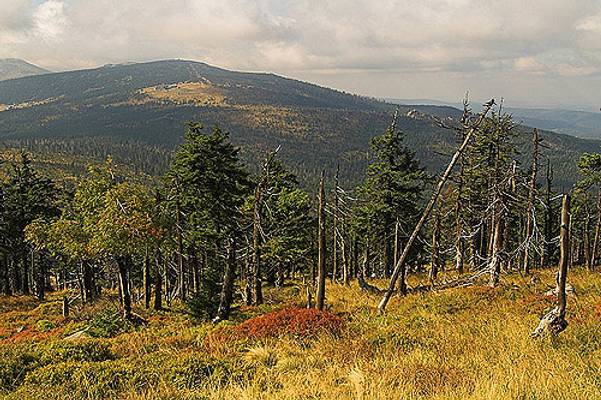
[[391, 192], [26, 196], [207, 184]]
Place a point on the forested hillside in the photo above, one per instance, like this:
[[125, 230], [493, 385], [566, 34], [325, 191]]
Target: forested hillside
[[143, 107], [219, 282]]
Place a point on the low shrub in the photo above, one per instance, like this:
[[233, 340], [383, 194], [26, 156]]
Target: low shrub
[[86, 350], [302, 322], [108, 323], [17, 362], [44, 325]]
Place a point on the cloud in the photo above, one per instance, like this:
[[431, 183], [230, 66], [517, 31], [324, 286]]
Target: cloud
[[473, 40], [50, 21]]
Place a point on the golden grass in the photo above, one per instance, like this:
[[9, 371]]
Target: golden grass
[[198, 93], [470, 343]]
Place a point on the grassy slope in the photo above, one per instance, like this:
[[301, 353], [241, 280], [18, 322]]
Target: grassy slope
[[470, 343]]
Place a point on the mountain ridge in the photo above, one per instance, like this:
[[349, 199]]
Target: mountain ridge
[[149, 103], [14, 68]]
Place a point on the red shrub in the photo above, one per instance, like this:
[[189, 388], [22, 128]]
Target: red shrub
[[290, 321]]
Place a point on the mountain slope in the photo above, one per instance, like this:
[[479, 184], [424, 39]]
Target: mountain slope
[[12, 68], [148, 104]]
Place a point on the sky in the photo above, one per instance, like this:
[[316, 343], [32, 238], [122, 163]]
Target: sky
[[530, 52]]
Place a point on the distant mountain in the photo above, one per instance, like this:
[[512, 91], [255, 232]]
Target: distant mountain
[[582, 124], [139, 110], [576, 123], [11, 68]]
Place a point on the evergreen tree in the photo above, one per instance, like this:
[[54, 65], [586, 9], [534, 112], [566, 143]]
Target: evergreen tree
[[26, 197], [208, 185], [391, 192]]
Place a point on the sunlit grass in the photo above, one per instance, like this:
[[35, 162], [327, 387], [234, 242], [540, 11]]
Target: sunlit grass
[[468, 343]]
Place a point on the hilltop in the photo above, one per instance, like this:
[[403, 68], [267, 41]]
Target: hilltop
[[148, 104], [12, 68]]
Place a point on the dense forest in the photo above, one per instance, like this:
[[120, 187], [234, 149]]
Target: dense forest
[[213, 234]]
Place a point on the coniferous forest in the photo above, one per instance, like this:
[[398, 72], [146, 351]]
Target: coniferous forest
[[300, 200], [222, 279]]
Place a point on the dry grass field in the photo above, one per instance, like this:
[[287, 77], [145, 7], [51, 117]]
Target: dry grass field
[[467, 343]]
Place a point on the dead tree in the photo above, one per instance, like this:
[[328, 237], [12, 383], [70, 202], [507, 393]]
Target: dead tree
[[547, 252], [595, 245], [459, 240], [181, 275], [65, 307], [436, 258], [321, 244], [158, 281], [400, 265], [253, 277], [123, 265], [146, 279], [531, 202], [554, 322], [497, 246], [336, 215]]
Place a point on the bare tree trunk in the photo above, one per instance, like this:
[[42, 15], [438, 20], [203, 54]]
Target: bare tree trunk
[[546, 256], [158, 281], [554, 322], [255, 275], [435, 248], [229, 278], [588, 259], [65, 307], [396, 241], [4, 278], [181, 273], [321, 244], [335, 233], [146, 278], [123, 264], [531, 203], [564, 242], [88, 291], [400, 266], [595, 246], [459, 241], [495, 259], [346, 275]]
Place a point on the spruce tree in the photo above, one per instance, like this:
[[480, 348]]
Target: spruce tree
[[392, 190]]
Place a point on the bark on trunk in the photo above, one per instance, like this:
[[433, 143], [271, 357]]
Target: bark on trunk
[[158, 281], [227, 291], [531, 203], [321, 263], [123, 264], [255, 275], [146, 278], [335, 234], [554, 322]]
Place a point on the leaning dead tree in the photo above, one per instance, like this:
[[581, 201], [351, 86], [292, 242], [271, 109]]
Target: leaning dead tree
[[321, 244], [554, 322], [400, 266]]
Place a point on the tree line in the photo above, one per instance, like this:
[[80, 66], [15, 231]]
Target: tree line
[[210, 232]]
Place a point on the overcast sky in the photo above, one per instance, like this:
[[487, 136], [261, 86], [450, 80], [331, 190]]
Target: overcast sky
[[534, 52]]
